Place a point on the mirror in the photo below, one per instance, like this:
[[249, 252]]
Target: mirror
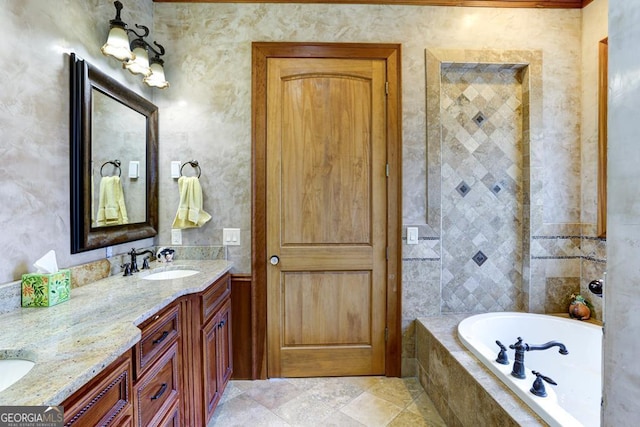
[[113, 129], [603, 78]]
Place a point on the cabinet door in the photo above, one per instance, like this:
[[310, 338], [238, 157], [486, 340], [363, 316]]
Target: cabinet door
[[217, 356], [225, 356], [210, 365]]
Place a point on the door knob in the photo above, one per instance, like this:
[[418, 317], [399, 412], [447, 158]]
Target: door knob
[[274, 260]]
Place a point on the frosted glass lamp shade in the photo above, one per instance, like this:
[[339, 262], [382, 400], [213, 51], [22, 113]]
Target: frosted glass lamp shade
[[117, 44], [140, 64], [156, 78]]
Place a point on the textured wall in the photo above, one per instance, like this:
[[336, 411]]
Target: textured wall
[[621, 343], [36, 37], [206, 113]]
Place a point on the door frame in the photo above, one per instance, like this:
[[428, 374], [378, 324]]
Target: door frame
[[391, 54]]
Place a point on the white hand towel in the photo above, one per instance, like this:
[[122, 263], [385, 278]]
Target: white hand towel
[[190, 213], [111, 207]]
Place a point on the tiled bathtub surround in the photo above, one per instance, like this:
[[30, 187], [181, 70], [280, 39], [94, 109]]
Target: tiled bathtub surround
[[461, 388]]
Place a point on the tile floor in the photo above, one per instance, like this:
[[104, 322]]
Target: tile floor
[[350, 401]]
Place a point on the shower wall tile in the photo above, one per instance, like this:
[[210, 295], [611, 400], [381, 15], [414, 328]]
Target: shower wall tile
[[482, 161], [558, 291], [594, 29], [594, 248], [569, 246], [426, 249]]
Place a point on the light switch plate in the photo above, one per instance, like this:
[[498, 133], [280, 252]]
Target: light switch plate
[[176, 236], [231, 236], [175, 169], [412, 235], [134, 169]]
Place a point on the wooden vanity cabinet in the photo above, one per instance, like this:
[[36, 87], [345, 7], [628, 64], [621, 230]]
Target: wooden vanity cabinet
[[174, 376], [209, 352], [216, 356], [106, 400], [158, 369]]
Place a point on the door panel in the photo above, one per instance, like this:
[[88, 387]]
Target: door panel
[[325, 181], [304, 297], [326, 216]]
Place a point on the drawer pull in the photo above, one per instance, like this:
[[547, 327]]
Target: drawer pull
[[160, 392], [221, 324], [164, 335]]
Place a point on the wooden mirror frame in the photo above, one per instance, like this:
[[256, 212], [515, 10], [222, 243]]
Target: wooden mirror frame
[[84, 237], [603, 77]]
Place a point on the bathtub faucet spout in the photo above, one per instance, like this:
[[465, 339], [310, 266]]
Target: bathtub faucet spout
[[520, 348], [561, 348]]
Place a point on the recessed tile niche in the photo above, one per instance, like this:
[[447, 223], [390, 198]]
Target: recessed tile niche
[[480, 107]]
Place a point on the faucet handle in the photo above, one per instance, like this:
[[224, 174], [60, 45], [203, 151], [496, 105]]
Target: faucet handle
[[126, 268], [538, 386], [518, 345], [145, 263], [502, 359]]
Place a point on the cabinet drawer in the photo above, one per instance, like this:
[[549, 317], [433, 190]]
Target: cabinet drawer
[[158, 333], [213, 296], [158, 390], [106, 400], [173, 417]]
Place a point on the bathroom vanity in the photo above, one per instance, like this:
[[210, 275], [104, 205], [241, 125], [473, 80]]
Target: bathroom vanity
[[129, 351]]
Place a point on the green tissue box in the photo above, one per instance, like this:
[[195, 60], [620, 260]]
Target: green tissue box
[[45, 290]]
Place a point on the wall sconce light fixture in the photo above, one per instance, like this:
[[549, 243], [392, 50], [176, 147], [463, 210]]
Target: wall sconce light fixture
[[135, 55]]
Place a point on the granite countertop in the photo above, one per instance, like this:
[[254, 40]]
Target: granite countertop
[[72, 342]]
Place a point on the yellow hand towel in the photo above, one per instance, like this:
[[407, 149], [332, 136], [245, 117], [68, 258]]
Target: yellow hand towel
[[190, 213], [111, 207]]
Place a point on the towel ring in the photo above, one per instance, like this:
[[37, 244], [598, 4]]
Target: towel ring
[[194, 164], [116, 163]]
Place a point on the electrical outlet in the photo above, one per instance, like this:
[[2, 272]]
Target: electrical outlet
[[176, 236], [231, 236], [109, 251]]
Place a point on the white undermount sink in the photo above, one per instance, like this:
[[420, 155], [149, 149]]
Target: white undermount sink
[[11, 370], [170, 274]]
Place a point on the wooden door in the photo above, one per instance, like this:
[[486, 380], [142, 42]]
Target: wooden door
[[326, 216]]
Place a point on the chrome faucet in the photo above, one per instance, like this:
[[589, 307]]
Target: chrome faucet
[[520, 348], [134, 260]]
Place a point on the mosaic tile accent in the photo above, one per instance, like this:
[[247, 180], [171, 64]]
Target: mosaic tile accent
[[479, 118], [485, 147], [463, 189], [479, 258]]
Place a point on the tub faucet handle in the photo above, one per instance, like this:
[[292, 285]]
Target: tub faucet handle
[[502, 359], [538, 386]]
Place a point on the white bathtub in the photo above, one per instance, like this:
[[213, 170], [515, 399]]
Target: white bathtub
[[575, 401]]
